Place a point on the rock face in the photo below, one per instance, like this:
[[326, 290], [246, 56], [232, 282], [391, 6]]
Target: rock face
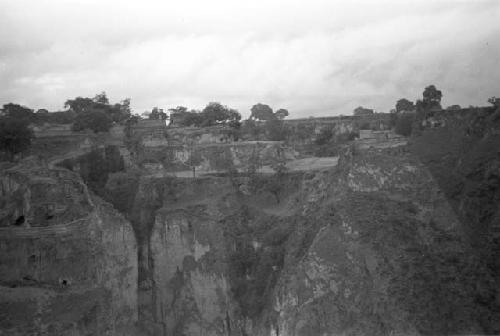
[[214, 158], [372, 247], [184, 285], [65, 278], [191, 290], [390, 259], [394, 240], [40, 198]]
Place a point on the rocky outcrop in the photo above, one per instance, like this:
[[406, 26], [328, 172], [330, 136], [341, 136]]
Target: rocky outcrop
[[390, 258], [390, 241], [372, 247], [214, 158], [184, 287], [33, 195], [66, 278]]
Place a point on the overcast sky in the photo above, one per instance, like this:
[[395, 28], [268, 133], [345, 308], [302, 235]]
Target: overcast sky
[[312, 57]]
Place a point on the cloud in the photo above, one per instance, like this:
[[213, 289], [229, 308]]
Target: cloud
[[313, 58]]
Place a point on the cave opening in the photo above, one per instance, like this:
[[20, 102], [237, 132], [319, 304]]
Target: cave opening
[[19, 221]]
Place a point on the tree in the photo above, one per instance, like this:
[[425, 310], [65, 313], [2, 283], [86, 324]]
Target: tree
[[281, 114], [94, 120], [182, 117], [79, 104], [453, 107], [178, 109], [494, 101], [19, 112], [192, 118], [216, 113], [213, 114], [120, 111], [262, 112], [157, 114], [117, 112], [404, 105], [15, 136], [101, 98], [432, 97]]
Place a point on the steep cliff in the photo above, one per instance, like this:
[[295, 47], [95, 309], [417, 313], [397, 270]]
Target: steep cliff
[[398, 241], [370, 247], [391, 258], [74, 275]]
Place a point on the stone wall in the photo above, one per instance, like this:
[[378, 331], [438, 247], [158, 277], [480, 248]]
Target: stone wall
[[216, 157], [198, 136], [340, 125]]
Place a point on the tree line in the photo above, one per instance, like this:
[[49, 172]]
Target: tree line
[[98, 114], [406, 111]]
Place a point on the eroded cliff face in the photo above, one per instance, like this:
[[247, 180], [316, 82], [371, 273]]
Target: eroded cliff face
[[371, 247], [377, 245], [184, 289], [390, 259], [191, 290], [74, 277]]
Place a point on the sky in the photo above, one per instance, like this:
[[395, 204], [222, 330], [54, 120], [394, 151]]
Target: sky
[[312, 57]]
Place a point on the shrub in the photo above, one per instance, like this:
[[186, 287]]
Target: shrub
[[94, 120], [15, 136]]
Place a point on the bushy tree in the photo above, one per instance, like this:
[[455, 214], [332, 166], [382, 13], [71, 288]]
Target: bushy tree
[[216, 113], [494, 101], [79, 104], [178, 109], [157, 114], [15, 135], [262, 112], [432, 96], [16, 111], [213, 114], [404, 105], [101, 98], [117, 112], [281, 114], [94, 120]]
